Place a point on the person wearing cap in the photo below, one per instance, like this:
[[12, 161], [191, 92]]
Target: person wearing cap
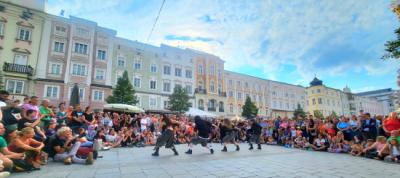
[[203, 129]]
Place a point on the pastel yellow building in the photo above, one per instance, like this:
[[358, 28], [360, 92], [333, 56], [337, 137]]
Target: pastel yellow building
[[324, 99]]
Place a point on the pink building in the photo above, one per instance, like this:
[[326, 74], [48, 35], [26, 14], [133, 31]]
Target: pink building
[[74, 50]]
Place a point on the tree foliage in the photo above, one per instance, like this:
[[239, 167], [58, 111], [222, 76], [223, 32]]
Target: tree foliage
[[318, 114], [299, 112], [123, 93], [392, 48], [179, 100], [250, 110]]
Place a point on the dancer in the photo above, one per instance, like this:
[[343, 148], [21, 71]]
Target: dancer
[[203, 129], [254, 134], [167, 136], [228, 134]]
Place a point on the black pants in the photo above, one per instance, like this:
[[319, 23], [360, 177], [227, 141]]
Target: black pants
[[166, 138]]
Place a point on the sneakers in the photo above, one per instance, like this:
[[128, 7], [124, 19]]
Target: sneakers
[[89, 159], [4, 174], [68, 161], [237, 148], [211, 151], [189, 152]]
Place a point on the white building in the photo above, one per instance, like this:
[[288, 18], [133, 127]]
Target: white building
[[384, 96]]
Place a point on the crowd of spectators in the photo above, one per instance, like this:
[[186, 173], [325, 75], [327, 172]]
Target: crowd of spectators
[[33, 132]]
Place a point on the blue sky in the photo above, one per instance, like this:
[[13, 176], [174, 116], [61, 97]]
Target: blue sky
[[340, 41]]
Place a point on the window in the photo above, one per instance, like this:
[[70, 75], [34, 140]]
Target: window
[[101, 55], [21, 59], [319, 100], [121, 62], [230, 82], [15, 86], [153, 84], [246, 84], [328, 102], [212, 69], [24, 34], [167, 87], [51, 92], [79, 69], [212, 86], [82, 32], [274, 93], [230, 93], [60, 29], [99, 75], [81, 48], [231, 108], [139, 99], [1, 28], [137, 82], [313, 101], [58, 47], [201, 69], [287, 105], [153, 102], [318, 91], [137, 64], [280, 105], [188, 89], [153, 68], [98, 95], [178, 72], [286, 95], [55, 69], [238, 84], [239, 95], [275, 105], [167, 70], [188, 73]]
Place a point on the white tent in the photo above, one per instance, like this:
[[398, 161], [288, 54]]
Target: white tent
[[198, 112], [123, 108]]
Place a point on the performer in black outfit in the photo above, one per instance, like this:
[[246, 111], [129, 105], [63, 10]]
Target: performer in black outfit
[[228, 134], [203, 129], [167, 135], [253, 134]]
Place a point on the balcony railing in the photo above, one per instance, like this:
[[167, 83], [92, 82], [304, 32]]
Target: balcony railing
[[25, 69], [212, 109], [223, 94], [200, 91]]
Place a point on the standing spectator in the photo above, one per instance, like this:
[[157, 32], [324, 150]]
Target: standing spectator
[[61, 114], [369, 130], [311, 130], [31, 105], [46, 113], [391, 123], [4, 97]]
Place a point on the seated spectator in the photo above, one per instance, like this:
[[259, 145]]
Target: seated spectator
[[320, 143], [391, 123], [8, 157], [394, 150], [29, 121], [356, 149], [377, 149], [64, 147], [24, 143]]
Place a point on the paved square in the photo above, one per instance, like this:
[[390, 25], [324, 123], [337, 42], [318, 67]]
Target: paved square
[[272, 161]]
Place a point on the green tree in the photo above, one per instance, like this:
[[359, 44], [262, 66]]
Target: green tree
[[299, 112], [123, 93], [393, 47], [318, 114], [250, 110], [334, 114], [179, 100]]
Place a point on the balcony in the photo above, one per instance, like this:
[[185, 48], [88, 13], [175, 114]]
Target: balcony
[[24, 69], [223, 94], [200, 91]]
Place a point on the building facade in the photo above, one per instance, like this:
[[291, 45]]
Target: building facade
[[285, 99], [20, 37], [239, 87], [75, 51], [210, 93], [385, 96]]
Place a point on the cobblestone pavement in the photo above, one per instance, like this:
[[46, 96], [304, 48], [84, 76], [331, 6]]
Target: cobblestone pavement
[[272, 161]]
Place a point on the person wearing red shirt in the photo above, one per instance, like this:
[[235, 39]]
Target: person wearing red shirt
[[391, 123]]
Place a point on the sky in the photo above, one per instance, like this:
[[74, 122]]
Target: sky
[[341, 41]]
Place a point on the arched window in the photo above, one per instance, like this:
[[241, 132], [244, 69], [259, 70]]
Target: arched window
[[221, 106], [201, 104]]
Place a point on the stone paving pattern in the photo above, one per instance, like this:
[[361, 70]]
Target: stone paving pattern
[[272, 161]]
